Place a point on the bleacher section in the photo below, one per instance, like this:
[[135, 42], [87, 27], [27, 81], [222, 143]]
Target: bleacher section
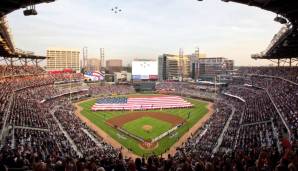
[[264, 121]]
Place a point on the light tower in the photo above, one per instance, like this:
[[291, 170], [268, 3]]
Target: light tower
[[102, 57], [85, 56], [197, 53], [181, 64], [196, 61]]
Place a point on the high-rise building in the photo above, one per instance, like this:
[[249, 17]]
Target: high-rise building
[[93, 64], [196, 66], [114, 65], [59, 59], [169, 66]]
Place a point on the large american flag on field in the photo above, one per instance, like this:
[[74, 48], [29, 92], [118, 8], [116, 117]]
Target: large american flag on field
[[145, 103]]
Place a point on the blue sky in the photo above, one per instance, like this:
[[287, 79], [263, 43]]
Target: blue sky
[[147, 28]]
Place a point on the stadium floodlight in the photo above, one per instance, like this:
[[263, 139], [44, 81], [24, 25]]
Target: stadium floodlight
[[29, 12]]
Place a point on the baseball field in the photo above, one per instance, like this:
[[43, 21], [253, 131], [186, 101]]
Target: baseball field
[[130, 128]]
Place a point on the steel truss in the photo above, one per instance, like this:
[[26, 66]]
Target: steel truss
[[285, 61], [21, 60]]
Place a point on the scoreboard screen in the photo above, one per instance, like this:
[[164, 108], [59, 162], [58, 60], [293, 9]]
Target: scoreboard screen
[[144, 70]]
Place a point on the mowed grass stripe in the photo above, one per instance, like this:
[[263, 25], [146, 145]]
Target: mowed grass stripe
[[99, 118], [136, 127]]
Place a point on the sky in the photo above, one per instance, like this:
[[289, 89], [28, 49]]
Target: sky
[[147, 28]]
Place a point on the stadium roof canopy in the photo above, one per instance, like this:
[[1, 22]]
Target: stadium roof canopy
[[7, 48], [286, 8], [284, 43]]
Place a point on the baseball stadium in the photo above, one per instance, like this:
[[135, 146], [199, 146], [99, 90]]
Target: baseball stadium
[[70, 110]]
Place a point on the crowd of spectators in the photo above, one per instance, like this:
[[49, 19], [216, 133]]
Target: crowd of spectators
[[67, 77], [5, 92], [289, 73], [231, 136], [74, 127], [107, 90], [258, 106], [280, 84], [245, 133], [203, 143], [25, 113], [8, 70], [284, 95], [254, 119]]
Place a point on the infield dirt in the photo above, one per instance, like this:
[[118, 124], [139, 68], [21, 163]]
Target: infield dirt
[[121, 120]]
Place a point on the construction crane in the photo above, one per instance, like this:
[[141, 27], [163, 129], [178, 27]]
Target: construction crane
[[181, 64]]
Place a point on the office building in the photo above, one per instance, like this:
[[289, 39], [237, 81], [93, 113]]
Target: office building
[[93, 64], [171, 68], [114, 65], [212, 66], [59, 59]]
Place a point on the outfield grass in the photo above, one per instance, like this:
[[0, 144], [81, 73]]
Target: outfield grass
[[99, 118], [136, 127]]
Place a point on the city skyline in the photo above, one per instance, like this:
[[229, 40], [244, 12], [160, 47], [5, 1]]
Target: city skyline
[[147, 29]]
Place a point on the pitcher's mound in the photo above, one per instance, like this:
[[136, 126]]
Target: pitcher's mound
[[147, 128]]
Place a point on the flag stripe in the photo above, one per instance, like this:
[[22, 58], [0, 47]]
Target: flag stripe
[[163, 102]]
